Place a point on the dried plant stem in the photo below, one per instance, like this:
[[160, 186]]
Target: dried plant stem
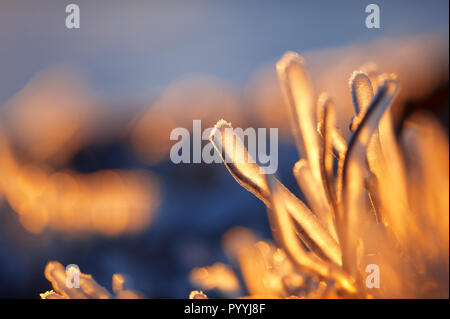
[[249, 175], [353, 196], [285, 233]]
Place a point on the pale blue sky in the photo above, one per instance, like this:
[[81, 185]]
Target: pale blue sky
[[130, 47]]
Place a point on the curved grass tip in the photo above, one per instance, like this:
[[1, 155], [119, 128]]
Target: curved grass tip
[[289, 58], [220, 125]]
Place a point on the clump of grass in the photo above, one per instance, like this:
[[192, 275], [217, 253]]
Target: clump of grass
[[362, 205]]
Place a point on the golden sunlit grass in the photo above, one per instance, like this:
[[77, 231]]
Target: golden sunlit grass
[[88, 287], [374, 199], [371, 196]]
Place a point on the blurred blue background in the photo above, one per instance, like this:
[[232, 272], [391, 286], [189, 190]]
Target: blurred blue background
[[128, 52]]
